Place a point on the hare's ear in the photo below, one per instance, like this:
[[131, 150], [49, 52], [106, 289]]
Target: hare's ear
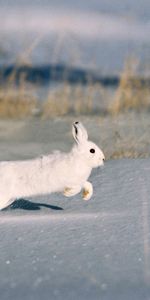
[[79, 132]]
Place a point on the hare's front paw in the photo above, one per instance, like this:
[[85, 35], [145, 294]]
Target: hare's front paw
[[87, 191], [71, 191]]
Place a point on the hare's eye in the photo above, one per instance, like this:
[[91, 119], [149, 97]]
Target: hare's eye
[[92, 150]]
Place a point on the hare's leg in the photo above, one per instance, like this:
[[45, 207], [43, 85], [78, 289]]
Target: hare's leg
[[6, 203], [71, 191], [87, 191]]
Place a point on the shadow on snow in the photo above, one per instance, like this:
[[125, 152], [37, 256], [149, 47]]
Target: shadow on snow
[[29, 205]]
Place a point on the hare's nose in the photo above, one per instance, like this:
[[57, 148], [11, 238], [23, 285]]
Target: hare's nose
[[103, 159]]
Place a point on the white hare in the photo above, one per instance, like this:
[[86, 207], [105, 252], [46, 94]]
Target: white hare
[[58, 172]]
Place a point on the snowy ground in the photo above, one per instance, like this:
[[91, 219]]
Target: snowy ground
[[57, 248]]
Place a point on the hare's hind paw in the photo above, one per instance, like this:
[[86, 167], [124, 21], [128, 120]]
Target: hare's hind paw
[[5, 204], [69, 192], [87, 191]]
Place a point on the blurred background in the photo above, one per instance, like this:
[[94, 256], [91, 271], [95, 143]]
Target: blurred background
[[88, 59], [97, 34]]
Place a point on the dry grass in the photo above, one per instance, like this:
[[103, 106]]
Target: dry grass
[[15, 107], [127, 153], [20, 102], [132, 93], [16, 102], [76, 100], [57, 103], [67, 99]]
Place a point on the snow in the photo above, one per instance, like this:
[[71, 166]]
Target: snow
[[57, 248]]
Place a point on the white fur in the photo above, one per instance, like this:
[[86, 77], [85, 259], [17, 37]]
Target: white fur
[[57, 172]]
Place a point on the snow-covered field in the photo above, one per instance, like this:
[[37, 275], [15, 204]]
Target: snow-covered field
[[58, 248], [53, 247]]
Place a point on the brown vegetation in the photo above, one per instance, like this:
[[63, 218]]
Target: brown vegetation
[[22, 101], [16, 102], [132, 92]]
